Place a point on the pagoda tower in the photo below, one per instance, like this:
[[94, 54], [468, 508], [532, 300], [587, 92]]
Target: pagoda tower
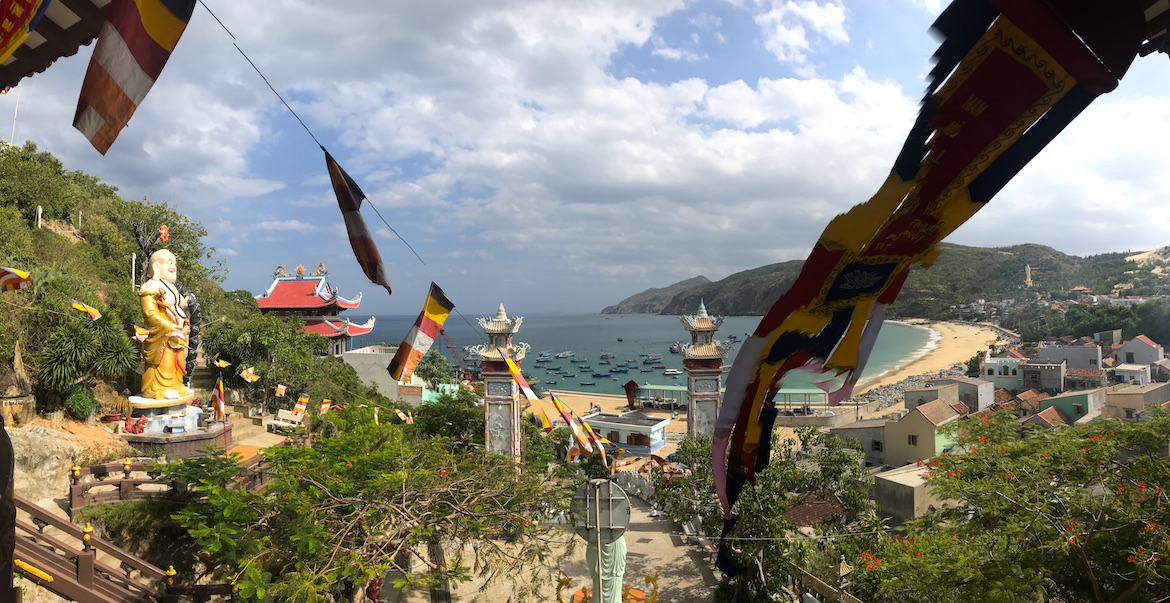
[[501, 404], [703, 360], [316, 303]]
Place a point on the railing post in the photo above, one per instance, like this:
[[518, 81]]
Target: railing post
[[126, 468], [76, 473], [85, 567], [125, 489]]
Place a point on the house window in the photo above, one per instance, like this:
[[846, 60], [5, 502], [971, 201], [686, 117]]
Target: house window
[[1013, 372], [1003, 370], [1092, 362], [1129, 357], [912, 440], [1078, 409], [990, 371], [1129, 413], [875, 446]]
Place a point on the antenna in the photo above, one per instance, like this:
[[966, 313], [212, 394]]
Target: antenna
[[12, 136]]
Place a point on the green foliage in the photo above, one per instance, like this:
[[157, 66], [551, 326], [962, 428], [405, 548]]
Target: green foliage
[[539, 451], [81, 403], [145, 528], [454, 417], [82, 349], [333, 516], [434, 369]]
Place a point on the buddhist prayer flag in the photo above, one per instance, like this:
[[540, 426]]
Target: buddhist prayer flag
[[280, 389], [1008, 77], [17, 19], [349, 200], [582, 441], [401, 415], [221, 363], [422, 335], [537, 408], [132, 48], [376, 416], [140, 334], [596, 441], [325, 404], [217, 399], [88, 309], [249, 375], [301, 405], [12, 279], [410, 417]]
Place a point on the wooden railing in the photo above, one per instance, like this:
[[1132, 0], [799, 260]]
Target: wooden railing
[[800, 582]]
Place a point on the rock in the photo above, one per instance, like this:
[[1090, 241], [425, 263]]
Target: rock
[[43, 460], [33, 592]]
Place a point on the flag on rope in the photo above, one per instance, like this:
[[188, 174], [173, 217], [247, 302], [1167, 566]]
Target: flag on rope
[[140, 334], [421, 335], [12, 279], [410, 417], [596, 441], [249, 375], [220, 363], [217, 399], [349, 200], [376, 416], [132, 48], [401, 415], [301, 405], [88, 309], [18, 18], [582, 441], [280, 389], [325, 405], [537, 407], [987, 112]]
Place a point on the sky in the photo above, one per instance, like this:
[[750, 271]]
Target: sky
[[558, 157]]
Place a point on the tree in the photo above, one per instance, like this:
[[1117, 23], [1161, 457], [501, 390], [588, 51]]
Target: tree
[[1078, 513], [434, 369], [335, 516], [457, 417]]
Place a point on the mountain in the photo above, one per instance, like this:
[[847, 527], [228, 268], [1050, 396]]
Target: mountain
[[960, 275]]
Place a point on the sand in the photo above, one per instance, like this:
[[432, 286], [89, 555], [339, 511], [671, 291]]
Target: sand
[[955, 344]]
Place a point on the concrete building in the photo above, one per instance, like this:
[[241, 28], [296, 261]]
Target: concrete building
[[915, 436], [703, 361], [1044, 376], [914, 398], [1132, 374], [634, 431], [1075, 405], [1130, 401], [1003, 372], [903, 494], [1160, 371], [1081, 356], [1078, 378], [1108, 338], [975, 394], [316, 303], [1139, 350], [872, 435], [370, 365]]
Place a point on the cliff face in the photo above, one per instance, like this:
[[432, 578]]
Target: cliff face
[[961, 275]]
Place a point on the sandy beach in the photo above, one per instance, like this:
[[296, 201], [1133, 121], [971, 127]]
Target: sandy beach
[[955, 343]]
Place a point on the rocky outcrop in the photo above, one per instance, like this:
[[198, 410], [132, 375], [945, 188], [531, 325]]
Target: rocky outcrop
[[43, 459]]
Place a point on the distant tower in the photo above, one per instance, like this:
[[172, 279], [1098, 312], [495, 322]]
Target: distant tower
[[501, 405], [1028, 275], [703, 359]]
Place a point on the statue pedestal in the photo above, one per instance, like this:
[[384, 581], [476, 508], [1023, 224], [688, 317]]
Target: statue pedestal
[[150, 406], [161, 414]]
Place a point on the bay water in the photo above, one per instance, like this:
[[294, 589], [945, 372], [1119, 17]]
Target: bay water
[[589, 336]]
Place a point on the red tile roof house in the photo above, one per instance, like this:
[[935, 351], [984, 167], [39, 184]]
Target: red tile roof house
[[1080, 378], [1048, 418], [315, 302]]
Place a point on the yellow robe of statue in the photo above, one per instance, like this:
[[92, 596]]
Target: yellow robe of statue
[[165, 349]]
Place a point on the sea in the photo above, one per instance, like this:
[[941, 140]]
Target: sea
[[628, 337]]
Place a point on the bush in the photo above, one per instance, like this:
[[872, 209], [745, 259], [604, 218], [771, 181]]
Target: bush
[[81, 403]]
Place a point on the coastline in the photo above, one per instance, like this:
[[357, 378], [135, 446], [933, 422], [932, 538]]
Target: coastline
[[951, 343]]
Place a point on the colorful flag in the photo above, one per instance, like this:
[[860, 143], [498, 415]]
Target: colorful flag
[[220, 363], [12, 279], [249, 375], [280, 391], [349, 200], [401, 415], [410, 417], [140, 334], [376, 416], [301, 405], [596, 441], [420, 337], [325, 404], [19, 17], [88, 309], [582, 441], [537, 407], [217, 399], [132, 48]]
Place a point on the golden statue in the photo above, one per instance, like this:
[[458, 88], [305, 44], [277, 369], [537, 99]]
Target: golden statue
[[165, 349]]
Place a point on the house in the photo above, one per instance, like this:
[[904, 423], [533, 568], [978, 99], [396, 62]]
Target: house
[[1107, 338], [1079, 378], [634, 431], [1075, 405], [370, 364], [1028, 402], [1004, 373], [975, 394], [872, 435], [812, 510], [1049, 418], [1075, 355], [1139, 350], [903, 494], [1132, 373], [1160, 371], [915, 436], [948, 393], [1130, 401], [1045, 376]]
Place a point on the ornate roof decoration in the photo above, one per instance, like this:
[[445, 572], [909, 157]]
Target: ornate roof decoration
[[485, 351], [300, 270], [715, 349], [501, 323], [701, 321], [343, 328], [320, 271], [303, 293], [280, 271]]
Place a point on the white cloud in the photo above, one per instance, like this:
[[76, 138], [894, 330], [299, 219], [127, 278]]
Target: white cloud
[[933, 7], [786, 25], [284, 225], [227, 252]]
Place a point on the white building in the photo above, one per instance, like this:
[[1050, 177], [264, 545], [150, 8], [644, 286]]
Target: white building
[[1140, 350], [634, 431], [1003, 372]]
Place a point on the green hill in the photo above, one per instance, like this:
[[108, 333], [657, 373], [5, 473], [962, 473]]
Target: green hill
[[961, 275]]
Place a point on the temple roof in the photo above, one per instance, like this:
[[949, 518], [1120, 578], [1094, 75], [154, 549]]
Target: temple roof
[[65, 27], [303, 293], [701, 321], [340, 328], [717, 349], [501, 323]]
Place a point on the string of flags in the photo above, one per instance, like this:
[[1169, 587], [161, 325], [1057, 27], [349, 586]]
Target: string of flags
[[217, 398], [325, 405], [537, 408], [249, 375], [301, 405], [220, 363], [280, 391]]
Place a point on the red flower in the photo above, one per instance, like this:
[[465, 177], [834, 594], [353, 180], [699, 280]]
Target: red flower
[[1141, 549], [919, 462], [1142, 485], [1043, 454], [1111, 432], [1150, 527], [164, 233], [919, 554], [442, 472], [349, 463], [1072, 540], [1071, 526], [1129, 559], [1120, 490]]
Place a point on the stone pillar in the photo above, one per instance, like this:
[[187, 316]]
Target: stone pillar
[[501, 407], [703, 398]]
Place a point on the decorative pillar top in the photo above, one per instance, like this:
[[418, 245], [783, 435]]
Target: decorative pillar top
[[702, 327], [499, 331]]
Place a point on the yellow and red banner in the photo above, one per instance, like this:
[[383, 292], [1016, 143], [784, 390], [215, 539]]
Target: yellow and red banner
[[421, 335], [88, 309], [17, 19], [537, 407], [12, 279]]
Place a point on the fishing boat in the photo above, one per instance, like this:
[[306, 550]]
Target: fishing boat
[[672, 371], [603, 361], [588, 383], [674, 348], [620, 339], [566, 354], [606, 355], [652, 359], [550, 382], [552, 369], [619, 369], [600, 374], [584, 367]]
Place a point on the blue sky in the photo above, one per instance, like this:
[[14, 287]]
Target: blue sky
[[560, 156]]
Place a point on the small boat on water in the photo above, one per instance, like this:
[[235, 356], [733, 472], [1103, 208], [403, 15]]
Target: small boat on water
[[652, 359], [647, 370], [588, 383], [566, 354], [674, 348], [603, 361], [658, 366], [600, 374], [553, 368], [619, 369], [606, 355], [671, 371], [550, 382], [584, 367], [620, 339]]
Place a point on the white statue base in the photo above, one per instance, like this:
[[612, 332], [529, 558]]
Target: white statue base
[[167, 413], [151, 406]]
